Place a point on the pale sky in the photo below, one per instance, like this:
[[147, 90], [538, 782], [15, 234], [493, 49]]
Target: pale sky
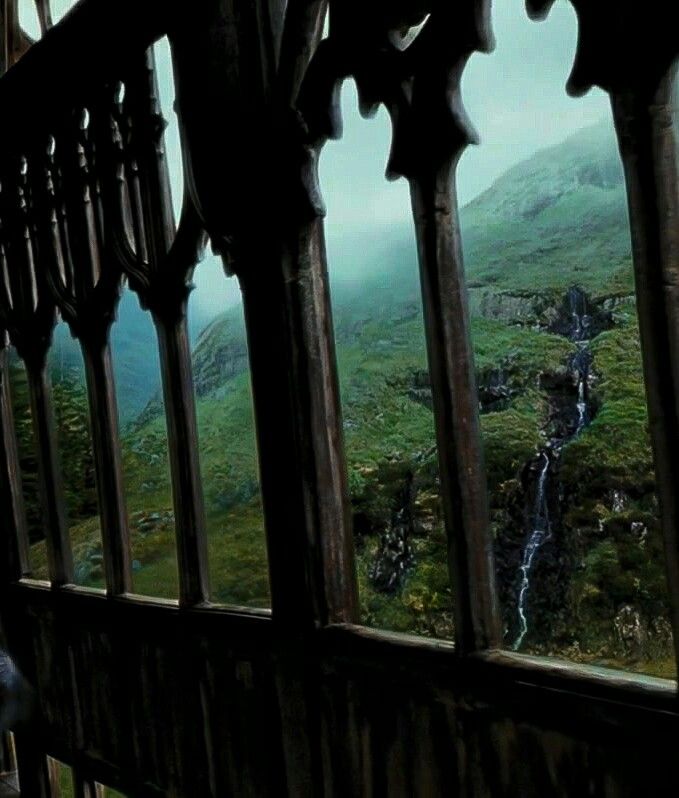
[[515, 98]]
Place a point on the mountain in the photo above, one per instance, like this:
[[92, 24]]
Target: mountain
[[557, 219], [573, 508], [135, 355], [522, 226], [135, 359]]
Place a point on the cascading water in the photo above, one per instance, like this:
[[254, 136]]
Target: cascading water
[[577, 327], [582, 405], [580, 320], [395, 555], [581, 363], [540, 533]]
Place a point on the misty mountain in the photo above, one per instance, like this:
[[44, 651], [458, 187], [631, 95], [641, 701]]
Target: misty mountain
[[549, 222], [552, 221]]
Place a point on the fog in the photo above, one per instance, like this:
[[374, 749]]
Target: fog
[[514, 96]]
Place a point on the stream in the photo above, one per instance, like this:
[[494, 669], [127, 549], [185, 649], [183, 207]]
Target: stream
[[570, 423]]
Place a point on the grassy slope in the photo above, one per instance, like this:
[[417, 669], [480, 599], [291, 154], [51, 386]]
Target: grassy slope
[[382, 424], [553, 221], [614, 454]]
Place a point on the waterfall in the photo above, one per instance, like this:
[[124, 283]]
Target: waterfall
[[581, 364], [579, 317], [580, 334], [581, 404], [540, 533], [395, 554], [577, 327]]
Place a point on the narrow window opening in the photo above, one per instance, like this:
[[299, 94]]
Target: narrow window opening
[[144, 439], [165, 78], [148, 487], [28, 462], [60, 779], [228, 450], [400, 541], [77, 460], [60, 8], [28, 19], [574, 513]]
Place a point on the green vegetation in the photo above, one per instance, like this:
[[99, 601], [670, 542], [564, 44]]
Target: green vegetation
[[66, 787], [555, 221], [614, 452], [235, 527], [70, 405], [621, 546]]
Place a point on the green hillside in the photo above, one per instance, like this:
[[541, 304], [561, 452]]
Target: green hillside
[[556, 220], [597, 592]]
